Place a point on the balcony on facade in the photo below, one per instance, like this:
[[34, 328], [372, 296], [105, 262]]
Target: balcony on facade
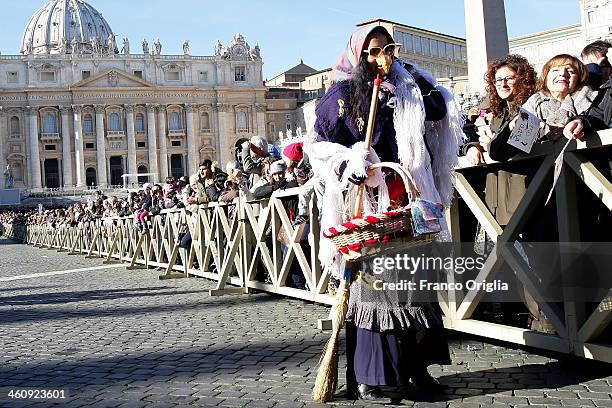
[[49, 137], [176, 133], [115, 134]]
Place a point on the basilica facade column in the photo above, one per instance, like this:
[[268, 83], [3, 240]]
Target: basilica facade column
[[224, 150], [34, 159], [66, 147], [193, 154], [152, 142], [131, 144], [163, 142], [260, 118], [79, 156], [3, 151], [101, 175]]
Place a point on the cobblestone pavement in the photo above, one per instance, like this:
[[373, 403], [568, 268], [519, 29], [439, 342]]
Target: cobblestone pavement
[[118, 338]]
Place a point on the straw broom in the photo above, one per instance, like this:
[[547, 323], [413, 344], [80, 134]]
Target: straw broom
[[327, 375]]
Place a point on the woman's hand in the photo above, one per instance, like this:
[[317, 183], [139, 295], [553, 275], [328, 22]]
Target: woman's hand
[[485, 137], [474, 155], [512, 124], [574, 129]]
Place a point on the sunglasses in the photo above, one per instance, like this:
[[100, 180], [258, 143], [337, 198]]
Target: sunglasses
[[389, 49]]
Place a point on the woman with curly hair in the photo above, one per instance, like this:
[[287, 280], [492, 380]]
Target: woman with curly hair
[[511, 80]]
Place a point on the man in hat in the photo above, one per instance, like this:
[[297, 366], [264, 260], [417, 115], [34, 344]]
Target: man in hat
[[252, 154], [216, 188], [277, 181]]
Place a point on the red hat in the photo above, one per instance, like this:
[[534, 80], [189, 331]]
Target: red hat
[[294, 151]]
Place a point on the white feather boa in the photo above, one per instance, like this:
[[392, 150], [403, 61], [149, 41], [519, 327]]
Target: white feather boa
[[434, 181]]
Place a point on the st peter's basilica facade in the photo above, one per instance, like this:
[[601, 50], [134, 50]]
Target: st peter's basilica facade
[[79, 107]]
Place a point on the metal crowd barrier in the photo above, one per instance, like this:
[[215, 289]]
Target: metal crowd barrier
[[237, 245]]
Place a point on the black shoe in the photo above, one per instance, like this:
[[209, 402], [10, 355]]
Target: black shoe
[[372, 394], [347, 392], [425, 382]]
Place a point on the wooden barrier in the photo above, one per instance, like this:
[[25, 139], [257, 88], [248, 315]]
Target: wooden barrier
[[239, 246], [575, 330]]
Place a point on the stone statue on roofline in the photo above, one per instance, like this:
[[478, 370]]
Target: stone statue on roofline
[[112, 44], [126, 46], [186, 47], [218, 48], [145, 46]]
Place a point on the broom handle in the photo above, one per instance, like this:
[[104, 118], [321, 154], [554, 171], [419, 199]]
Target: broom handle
[[368, 140]]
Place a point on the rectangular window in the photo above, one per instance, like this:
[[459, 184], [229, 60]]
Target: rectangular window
[[425, 46], [449, 51], [591, 16], [417, 44], [408, 42], [463, 54], [47, 76], [90, 146], [457, 52], [138, 74], [12, 77], [141, 145], [240, 74], [50, 147], [203, 76], [88, 125], [173, 76], [176, 143], [85, 74]]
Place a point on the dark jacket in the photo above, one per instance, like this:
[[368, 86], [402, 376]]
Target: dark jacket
[[599, 117], [267, 189]]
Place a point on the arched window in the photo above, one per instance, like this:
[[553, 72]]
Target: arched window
[[140, 123], [88, 124], [15, 127], [205, 121], [242, 124], [49, 123], [113, 122], [175, 121]]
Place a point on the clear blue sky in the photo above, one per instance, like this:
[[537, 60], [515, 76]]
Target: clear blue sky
[[314, 30]]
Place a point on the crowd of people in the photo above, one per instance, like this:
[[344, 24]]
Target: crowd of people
[[258, 171]]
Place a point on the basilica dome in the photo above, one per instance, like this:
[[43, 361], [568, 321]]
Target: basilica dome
[[67, 26]]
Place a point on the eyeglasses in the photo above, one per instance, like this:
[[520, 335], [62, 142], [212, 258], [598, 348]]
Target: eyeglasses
[[509, 80], [389, 49]]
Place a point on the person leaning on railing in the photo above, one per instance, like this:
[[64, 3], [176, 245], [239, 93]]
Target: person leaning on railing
[[252, 156], [278, 181], [510, 81], [599, 117], [562, 93]]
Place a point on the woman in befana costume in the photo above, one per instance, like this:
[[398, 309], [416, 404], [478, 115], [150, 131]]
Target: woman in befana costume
[[390, 339]]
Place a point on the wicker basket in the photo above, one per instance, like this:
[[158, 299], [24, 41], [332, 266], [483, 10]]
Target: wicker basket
[[364, 237]]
